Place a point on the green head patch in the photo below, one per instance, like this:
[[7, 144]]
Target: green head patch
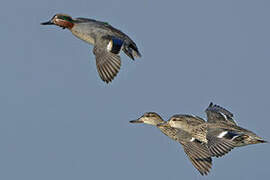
[[66, 18]]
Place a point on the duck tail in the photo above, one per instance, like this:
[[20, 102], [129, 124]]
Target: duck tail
[[131, 50], [246, 139], [260, 140], [255, 140]]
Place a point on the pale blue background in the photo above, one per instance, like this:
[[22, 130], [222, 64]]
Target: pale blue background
[[60, 121]]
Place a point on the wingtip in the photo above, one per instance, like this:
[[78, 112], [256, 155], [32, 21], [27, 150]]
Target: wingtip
[[209, 106], [139, 55]]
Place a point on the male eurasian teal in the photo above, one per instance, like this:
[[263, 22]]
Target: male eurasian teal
[[220, 132], [197, 152], [107, 40]]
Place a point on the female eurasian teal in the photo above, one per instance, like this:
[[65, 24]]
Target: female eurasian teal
[[107, 40], [197, 152], [220, 132]]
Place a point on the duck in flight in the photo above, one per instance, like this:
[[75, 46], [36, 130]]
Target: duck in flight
[[203, 140], [108, 42]]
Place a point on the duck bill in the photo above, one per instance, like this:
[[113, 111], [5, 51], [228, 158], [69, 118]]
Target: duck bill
[[47, 23], [137, 121]]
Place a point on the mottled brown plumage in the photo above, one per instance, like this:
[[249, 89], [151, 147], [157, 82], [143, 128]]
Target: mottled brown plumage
[[220, 132]]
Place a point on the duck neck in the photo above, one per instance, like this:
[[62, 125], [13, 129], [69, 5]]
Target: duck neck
[[155, 122]]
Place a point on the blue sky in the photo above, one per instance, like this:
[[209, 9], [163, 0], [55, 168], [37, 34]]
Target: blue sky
[[60, 121]]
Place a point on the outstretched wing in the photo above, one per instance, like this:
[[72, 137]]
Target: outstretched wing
[[108, 60], [216, 113], [196, 151], [199, 155], [220, 141]]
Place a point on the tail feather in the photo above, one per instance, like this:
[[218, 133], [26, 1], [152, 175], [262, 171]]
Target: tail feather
[[246, 139], [131, 51], [261, 141]]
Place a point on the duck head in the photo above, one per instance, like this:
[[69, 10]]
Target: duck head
[[177, 122], [151, 118], [61, 20]]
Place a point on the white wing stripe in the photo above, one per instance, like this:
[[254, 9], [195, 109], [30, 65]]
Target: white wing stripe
[[222, 134]]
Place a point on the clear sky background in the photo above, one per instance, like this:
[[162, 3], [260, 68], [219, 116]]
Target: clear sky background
[[60, 121]]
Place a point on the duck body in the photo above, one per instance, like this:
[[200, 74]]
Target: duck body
[[108, 42], [92, 31], [86, 31], [239, 135]]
